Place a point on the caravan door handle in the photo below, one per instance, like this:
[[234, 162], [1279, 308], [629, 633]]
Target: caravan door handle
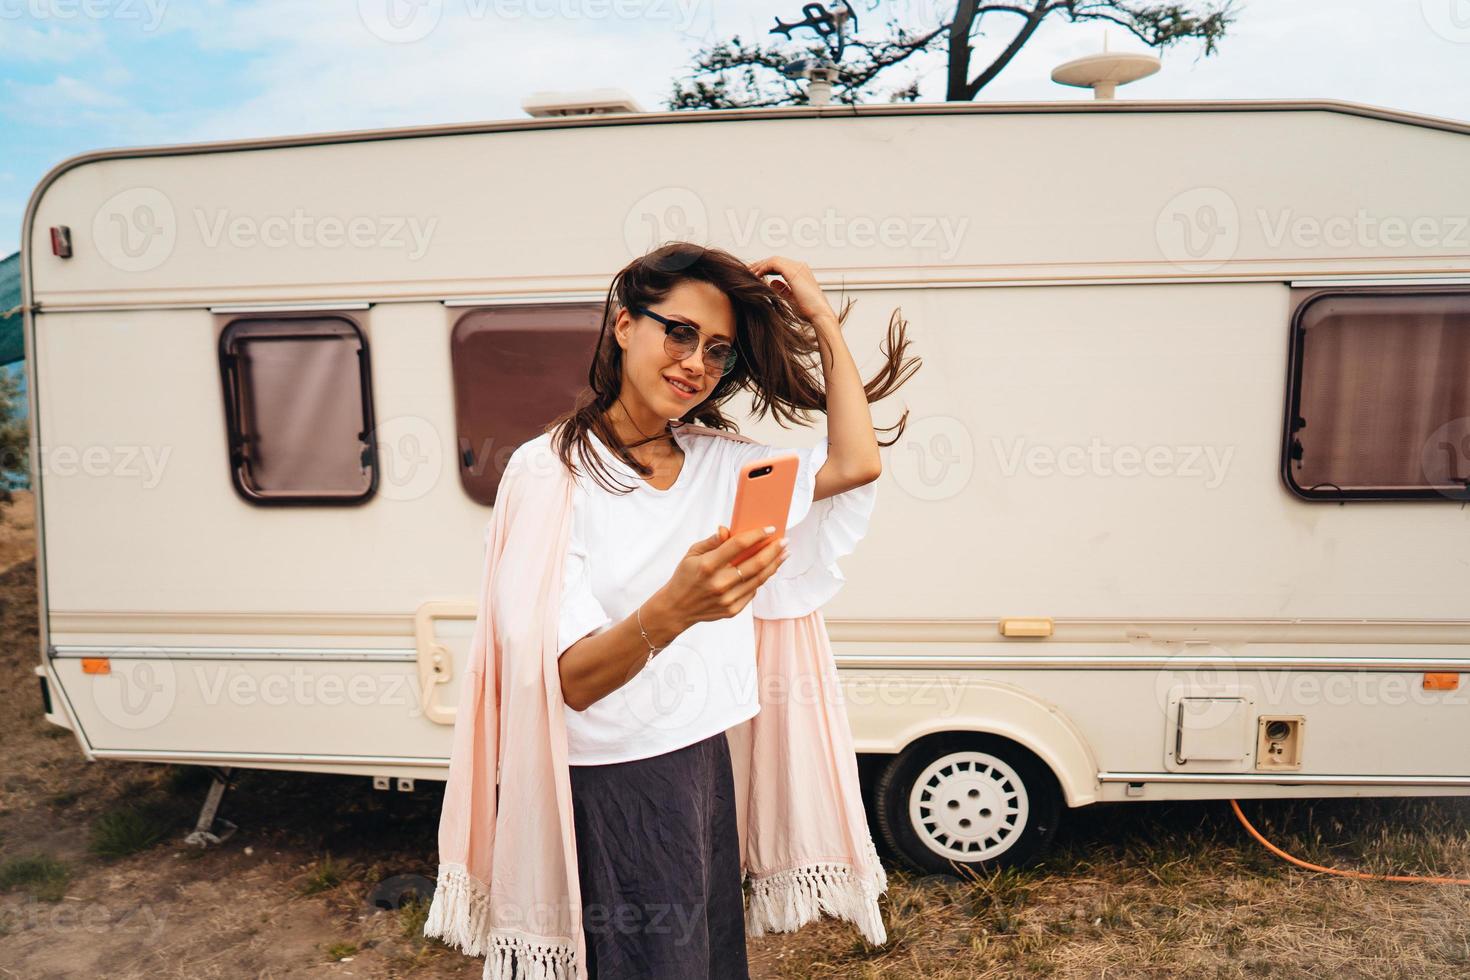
[[435, 661], [434, 672]]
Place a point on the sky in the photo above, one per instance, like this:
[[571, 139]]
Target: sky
[[79, 75]]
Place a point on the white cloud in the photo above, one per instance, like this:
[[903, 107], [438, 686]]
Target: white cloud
[[315, 72], [60, 101], [296, 66], [1380, 52], [40, 43]]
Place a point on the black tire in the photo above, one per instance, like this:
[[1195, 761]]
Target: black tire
[[987, 804]]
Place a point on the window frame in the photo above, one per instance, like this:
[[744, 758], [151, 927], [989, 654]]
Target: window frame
[[229, 378], [1302, 299]]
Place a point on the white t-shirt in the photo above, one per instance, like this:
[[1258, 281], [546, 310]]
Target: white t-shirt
[[625, 547]]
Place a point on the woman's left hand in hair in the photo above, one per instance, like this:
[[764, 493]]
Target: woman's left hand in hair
[[800, 288]]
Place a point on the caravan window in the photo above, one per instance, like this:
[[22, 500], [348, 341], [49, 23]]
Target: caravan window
[[1379, 406], [298, 407], [516, 368]]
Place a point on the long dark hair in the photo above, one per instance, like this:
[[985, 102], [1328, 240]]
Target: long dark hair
[[779, 362]]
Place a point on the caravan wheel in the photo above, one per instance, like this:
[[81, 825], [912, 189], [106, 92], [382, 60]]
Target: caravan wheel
[[976, 800]]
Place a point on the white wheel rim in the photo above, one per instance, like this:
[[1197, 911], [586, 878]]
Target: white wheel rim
[[968, 806]]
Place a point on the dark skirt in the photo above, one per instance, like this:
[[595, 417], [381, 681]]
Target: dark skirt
[[658, 857]]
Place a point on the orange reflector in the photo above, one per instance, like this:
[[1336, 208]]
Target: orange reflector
[[96, 665], [1441, 682]]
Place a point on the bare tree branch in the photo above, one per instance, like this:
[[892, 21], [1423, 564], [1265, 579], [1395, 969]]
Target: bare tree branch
[[733, 73], [967, 90]]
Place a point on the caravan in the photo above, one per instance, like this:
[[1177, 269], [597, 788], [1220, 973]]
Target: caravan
[[1179, 511]]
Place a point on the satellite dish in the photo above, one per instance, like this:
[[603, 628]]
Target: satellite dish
[[1103, 73], [798, 68]]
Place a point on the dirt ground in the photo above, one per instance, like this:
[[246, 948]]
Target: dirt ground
[[1153, 890]]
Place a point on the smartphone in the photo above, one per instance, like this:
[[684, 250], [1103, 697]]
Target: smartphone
[[763, 499]]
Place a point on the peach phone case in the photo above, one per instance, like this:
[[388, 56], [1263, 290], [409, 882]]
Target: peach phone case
[[763, 499]]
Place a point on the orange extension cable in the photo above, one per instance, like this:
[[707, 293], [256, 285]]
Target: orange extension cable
[[1334, 871]]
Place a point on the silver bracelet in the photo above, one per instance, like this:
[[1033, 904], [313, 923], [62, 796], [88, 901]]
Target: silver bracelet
[[651, 648]]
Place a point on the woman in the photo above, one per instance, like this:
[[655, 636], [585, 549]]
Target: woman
[[655, 635]]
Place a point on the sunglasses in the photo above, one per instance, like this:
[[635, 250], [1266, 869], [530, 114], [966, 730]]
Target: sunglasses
[[682, 339]]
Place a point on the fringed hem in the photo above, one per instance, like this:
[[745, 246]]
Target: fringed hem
[[460, 916], [460, 911], [784, 901], [516, 957]]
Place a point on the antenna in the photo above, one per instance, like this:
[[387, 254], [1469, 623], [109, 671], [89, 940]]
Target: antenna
[[830, 24]]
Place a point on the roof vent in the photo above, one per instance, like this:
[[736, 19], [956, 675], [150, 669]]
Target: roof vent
[[590, 102]]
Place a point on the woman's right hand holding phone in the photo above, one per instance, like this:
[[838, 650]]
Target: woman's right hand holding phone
[[705, 586]]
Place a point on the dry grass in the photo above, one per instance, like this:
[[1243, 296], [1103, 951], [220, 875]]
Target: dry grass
[[1142, 890], [1171, 890], [18, 529]]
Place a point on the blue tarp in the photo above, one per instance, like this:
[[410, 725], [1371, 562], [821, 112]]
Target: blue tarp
[[12, 346]]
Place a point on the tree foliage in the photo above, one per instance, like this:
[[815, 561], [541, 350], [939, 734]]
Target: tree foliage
[[736, 73]]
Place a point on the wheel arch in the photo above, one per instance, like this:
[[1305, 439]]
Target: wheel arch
[[1008, 712]]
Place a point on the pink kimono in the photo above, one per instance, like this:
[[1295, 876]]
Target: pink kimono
[[507, 881]]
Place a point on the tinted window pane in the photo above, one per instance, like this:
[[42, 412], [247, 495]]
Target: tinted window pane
[[1383, 395], [515, 369], [298, 408]]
